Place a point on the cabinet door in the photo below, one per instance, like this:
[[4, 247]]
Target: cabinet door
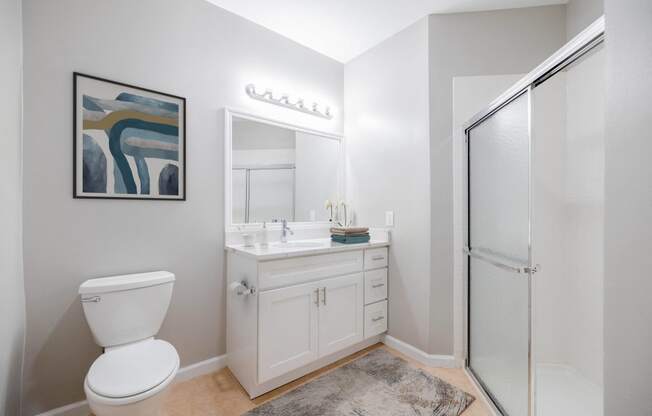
[[340, 313], [287, 332]]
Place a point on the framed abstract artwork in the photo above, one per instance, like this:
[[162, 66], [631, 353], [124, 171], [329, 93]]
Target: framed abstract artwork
[[129, 142]]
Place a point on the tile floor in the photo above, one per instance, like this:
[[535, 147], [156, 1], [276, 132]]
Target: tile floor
[[220, 394]]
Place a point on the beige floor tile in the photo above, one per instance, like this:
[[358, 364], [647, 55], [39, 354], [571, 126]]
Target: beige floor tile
[[220, 394]]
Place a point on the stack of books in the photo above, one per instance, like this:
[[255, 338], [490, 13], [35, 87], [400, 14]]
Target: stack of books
[[350, 235]]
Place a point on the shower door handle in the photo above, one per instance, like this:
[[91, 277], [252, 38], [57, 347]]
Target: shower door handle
[[514, 268]]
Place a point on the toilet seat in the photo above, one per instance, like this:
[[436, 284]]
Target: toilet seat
[[133, 370]]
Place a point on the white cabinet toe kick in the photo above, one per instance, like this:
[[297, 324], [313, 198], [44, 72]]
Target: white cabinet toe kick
[[290, 316]]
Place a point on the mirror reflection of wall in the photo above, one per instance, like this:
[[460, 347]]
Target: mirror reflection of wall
[[279, 173]]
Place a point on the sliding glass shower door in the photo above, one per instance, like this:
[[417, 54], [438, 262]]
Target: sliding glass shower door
[[535, 179], [499, 254]]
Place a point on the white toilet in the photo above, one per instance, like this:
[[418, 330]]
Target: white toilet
[[135, 371]]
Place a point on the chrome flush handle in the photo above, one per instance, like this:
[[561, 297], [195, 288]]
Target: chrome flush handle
[[92, 299]]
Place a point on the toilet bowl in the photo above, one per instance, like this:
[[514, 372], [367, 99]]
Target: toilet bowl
[[131, 380], [124, 313]]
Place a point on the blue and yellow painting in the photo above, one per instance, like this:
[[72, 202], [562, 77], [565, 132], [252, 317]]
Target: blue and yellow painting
[[130, 146]]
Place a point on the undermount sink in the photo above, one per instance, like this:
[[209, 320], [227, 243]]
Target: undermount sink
[[300, 244]]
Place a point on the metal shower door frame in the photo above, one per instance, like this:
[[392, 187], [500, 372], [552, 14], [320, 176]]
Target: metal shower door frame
[[575, 49], [527, 269]]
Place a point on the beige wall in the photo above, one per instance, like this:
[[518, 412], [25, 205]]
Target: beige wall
[[12, 294], [628, 210], [466, 44], [185, 47]]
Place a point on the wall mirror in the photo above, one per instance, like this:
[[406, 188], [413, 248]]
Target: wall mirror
[[276, 171]]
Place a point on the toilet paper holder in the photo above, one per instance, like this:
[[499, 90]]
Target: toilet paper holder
[[242, 288]]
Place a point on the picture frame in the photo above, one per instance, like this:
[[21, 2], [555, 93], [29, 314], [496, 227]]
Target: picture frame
[[129, 142]]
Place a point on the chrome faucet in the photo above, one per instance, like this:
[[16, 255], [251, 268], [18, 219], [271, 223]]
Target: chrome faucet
[[284, 231]]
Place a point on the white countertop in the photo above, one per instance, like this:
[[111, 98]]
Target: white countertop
[[298, 248]]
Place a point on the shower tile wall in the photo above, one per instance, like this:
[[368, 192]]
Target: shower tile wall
[[568, 226]]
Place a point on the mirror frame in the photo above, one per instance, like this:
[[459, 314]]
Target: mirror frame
[[229, 115]]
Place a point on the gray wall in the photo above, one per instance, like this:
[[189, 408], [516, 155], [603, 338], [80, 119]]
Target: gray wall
[[12, 292], [484, 43], [185, 47], [628, 222], [580, 14], [386, 100], [385, 130]]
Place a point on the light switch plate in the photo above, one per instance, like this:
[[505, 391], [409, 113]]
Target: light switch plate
[[389, 218]]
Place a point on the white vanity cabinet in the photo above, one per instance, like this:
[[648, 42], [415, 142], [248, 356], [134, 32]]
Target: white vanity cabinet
[[291, 315], [298, 324], [340, 313], [288, 325]]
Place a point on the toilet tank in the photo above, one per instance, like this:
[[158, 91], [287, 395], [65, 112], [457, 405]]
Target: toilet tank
[[126, 308]]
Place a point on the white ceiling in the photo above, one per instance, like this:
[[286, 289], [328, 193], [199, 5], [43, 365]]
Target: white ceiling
[[343, 29]]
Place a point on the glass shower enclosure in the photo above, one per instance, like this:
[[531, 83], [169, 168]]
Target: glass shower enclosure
[[499, 252], [534, 204]]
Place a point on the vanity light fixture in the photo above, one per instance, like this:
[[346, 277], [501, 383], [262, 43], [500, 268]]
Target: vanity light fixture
[[284, 101]]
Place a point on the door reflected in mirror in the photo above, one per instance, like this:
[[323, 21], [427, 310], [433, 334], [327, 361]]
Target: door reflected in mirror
[[280, 173]]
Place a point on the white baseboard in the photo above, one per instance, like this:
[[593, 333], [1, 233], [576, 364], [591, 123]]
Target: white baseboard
[[185, 373], [442, 361], [73, 409], [430, 360], [201, 368], [217, 363]]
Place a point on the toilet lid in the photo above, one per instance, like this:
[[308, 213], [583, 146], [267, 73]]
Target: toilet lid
[[132, 369]]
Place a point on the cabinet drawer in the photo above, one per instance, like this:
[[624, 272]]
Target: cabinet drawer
[[278, 273], [375, 285], [375, 258], [375, 319]]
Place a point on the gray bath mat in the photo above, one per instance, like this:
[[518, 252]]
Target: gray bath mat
[[377, 384]]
